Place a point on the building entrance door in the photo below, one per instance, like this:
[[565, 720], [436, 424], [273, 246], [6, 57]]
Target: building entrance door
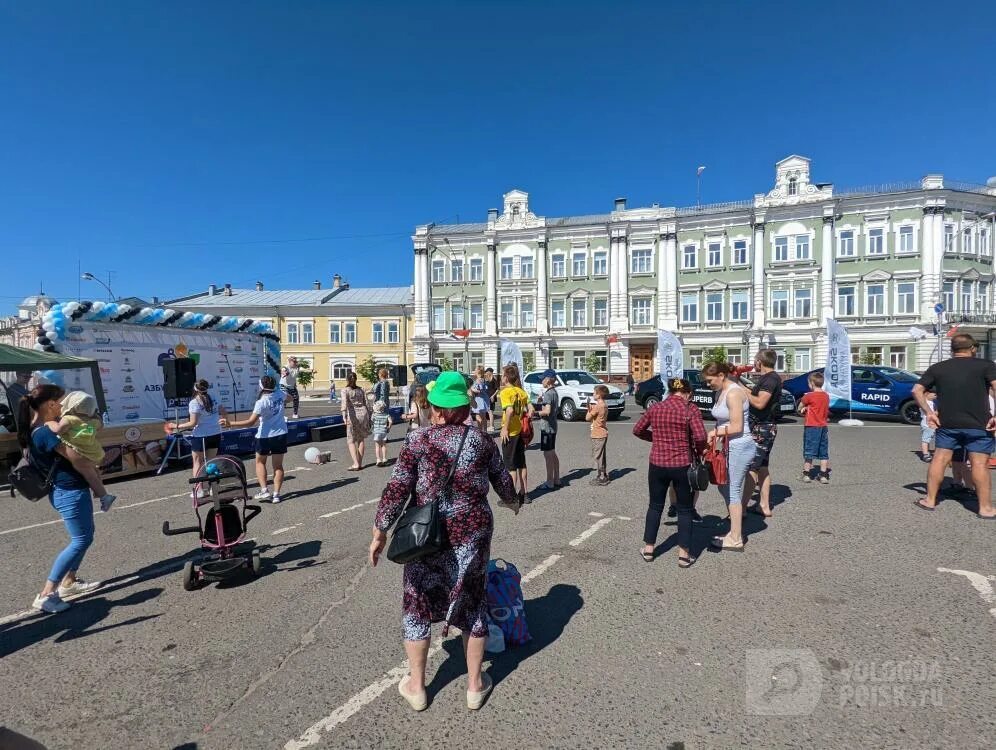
[[641, 361]]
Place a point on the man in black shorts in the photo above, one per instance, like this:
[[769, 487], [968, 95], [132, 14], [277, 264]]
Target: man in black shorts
[[765, 402]]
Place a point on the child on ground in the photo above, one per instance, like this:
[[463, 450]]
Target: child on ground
[[78, 428], [598, 415], [381, 422], [926, 431], [816, 437]]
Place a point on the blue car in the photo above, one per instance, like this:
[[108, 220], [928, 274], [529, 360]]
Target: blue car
[[874, 390]]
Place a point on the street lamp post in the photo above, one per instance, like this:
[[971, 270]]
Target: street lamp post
[[87, 276]]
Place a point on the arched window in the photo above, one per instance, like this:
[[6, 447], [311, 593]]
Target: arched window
[[793, 186], [341, 369]]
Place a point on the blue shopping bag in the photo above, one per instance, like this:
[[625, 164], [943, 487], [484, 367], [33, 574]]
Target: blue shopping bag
[[505, 602]]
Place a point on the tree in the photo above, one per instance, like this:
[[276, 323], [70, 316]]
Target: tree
[[592, 362], [305, 375], [789, 362], [367, 369], [528, 361], [867, 358], [715, 355], [445, 363]]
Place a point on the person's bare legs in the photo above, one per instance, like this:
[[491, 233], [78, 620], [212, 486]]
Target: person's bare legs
[[736, 522], [261, 472], [278, 472], [353, 453], [473, 649], [418, 653], [983, 483], [764, 481], [197, 467], [935, 475], [360, 448]]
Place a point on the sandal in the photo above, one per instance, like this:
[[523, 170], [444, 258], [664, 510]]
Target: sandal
[[476, 699], [726, 545], [647, 556], [418, 702], [686, 562], [921, 506]]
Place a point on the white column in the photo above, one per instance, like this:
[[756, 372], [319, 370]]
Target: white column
[[758, 290], [423, 298], [667, 281], [619, 314], [927, 254], [936, 277], [491, 309], [826, 272], [542, 323]]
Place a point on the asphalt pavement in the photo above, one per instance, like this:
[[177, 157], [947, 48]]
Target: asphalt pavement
[[851, 620]]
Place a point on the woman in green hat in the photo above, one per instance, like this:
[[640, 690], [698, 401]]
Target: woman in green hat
[[449, 586]]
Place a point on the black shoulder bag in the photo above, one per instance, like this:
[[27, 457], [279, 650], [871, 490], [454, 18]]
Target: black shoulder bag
[[419, 532], [698, 473], [29, 480]]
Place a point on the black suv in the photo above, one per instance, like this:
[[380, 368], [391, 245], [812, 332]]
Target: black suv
[[650, 392]]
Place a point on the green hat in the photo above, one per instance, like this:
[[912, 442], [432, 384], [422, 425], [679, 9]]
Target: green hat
[[450, 391]]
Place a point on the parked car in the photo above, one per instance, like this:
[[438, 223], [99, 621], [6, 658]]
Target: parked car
[[575, 388], [649, 392], [874, 390], [424, 373]]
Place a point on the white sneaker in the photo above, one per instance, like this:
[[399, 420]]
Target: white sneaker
[[276, 499], [294, 415], [262, 495], [106, 502], [78, 588], [50, 604]]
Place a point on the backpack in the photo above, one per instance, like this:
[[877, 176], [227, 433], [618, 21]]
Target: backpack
[[29, 480]]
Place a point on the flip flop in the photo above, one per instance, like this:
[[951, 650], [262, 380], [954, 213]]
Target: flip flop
[[647, 556], [921, 506], [986, 518], [686, 562]]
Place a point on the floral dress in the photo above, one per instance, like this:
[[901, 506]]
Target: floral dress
[[449, 586], [355, 414]]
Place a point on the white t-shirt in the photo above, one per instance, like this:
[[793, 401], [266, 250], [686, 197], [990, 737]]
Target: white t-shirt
[[207, 421], [290, 379], [270, 408]]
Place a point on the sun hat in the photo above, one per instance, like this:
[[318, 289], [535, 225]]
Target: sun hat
[[450, 391]]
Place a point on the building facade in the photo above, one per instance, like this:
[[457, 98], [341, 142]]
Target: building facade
[[22, 329], [768, 271], [333, 329]]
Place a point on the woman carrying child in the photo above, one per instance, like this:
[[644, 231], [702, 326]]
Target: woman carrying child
[[78, 427]]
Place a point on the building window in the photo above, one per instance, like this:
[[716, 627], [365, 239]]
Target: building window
[[341, 370], [689, 308], [526, 269], [526, 315], [393, 333], [803, 360], [803, 303], [875, 299], [456, 270], [845, 247], [600, 264], [906, 298], [292, 337], [641, 261], [456, 317], [476, 360], [335, 333], [507, 315], [906, 239], [845, 301], [557, 315], [781, 248], [740, 252], [714, 307], [600, 310], [984, 248], [966, 241], [855, 355], [506, 268], [378, 333], [640, 311], [690, 257], [873, 354], [966, 297], [579, 358], [579, 313], [802, 247], [949, 295], [476, 269], [714, 257], [695, 359], [458, 362], [735, 356], [738, 306], [897, 357], [982, 297], [557, 359], [779, 304], [780, 360], [603, 360], [793, 186], [949, 239], [876, 244], [438, 271], [349, 331], [439, 317], [558, 266], [477, 316], [307, 333], [579, 264]]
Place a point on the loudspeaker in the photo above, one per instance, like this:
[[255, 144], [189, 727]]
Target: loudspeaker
[[400, 375], [179, 376]]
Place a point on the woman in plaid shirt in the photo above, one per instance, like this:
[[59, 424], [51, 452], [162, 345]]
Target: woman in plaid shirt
[[674, 428]]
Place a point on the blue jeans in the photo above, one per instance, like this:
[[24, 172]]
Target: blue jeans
[[815, 444], [742, 452], [76, 509]]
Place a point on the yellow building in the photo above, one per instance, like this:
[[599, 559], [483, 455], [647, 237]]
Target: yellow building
[[333, 329]]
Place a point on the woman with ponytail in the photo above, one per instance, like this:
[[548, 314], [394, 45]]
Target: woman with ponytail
[[271, 435], [205, 423]]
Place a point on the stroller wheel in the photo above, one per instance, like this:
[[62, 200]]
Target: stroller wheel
[[255, 563], [190, 582]]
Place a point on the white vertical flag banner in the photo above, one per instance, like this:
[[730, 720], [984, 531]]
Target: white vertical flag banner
[[837, 372], [511, 353], [670, 362]]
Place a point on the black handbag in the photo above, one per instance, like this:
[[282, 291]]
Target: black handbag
[[419, 532], [698, 472]]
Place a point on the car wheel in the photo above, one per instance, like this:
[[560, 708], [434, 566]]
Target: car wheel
[[910, 412], [568, 410], [650, 401]]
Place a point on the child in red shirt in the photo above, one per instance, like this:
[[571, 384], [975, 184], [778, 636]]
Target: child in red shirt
[[816, 437]]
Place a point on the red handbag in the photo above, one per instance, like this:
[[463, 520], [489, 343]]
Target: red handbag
[[717, 461]]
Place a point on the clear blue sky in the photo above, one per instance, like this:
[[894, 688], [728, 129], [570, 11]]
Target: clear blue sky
[[183, 143]]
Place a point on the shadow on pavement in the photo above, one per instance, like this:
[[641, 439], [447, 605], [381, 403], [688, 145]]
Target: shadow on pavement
[[573, 474], [547, 617], [620, 473], [75, 622], [333, 485], [11, 740]]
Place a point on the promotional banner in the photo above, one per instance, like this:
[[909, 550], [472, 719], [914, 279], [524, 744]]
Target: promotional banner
[[510, 352], [130, 359], [670, 362], [837, 373]]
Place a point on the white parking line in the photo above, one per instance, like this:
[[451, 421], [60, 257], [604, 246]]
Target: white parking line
[[980, 583], [541, 568], [589, 531], [597, 515], [285, 529], [97, 513]]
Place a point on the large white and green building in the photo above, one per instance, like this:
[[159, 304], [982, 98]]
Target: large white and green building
[[765, 271]]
